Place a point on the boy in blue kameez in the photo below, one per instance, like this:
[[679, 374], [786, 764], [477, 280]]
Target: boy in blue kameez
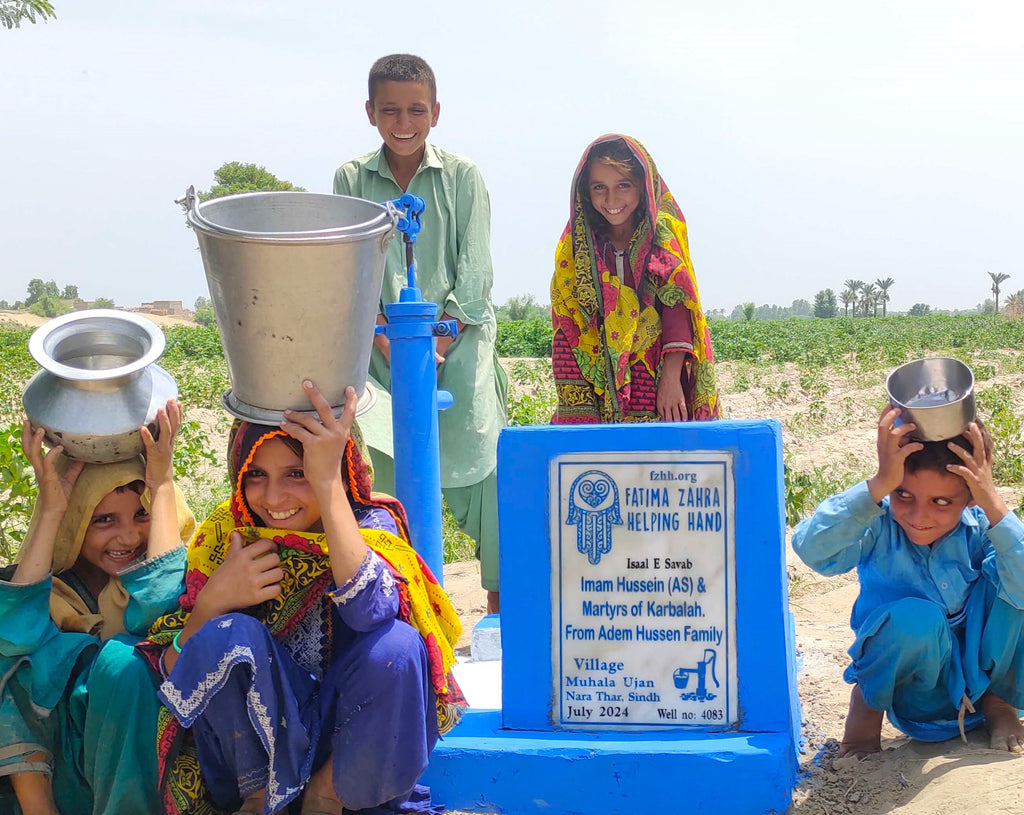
[[939, 619]]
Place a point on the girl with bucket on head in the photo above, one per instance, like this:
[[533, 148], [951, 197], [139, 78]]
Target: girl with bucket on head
[[631, 343], [310, 631], [102, 559]]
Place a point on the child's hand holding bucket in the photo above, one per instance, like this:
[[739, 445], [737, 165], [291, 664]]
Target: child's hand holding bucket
[[976, 470], [324, 437], [893, 448]]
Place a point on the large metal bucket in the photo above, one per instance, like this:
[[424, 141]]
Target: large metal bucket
[[295, 280]]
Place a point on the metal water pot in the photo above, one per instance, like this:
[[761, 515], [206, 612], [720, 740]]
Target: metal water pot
[[936, 394], [100, 383], [295, 280]]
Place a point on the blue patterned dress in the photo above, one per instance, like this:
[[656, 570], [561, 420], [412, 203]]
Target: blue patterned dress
[[350, 683]]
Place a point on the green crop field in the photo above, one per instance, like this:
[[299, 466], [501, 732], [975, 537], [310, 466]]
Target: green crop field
[[823, 379]]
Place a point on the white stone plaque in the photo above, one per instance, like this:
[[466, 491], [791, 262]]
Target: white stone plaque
[[643, 589]]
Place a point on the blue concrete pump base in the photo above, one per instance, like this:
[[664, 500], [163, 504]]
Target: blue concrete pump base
[[479, 767]]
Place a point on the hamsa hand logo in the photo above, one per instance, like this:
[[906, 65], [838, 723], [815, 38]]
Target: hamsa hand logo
[[594, 510]]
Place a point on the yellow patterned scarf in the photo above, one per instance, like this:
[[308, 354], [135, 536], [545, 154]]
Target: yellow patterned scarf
[[307, 574], [609, 325], [423, 604]]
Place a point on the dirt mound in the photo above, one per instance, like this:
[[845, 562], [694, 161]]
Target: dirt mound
[[31, 320]]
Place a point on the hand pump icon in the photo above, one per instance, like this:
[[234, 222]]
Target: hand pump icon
[[682, 679]]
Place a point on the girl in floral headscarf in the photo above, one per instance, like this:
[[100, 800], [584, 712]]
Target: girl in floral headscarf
[[631, 343], [102, 559], [312, 655]]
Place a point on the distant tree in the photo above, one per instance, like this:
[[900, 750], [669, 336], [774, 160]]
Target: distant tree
[[18, 305], [201, 303], [849, 298], [800, 308], [37, 289], [920, 310], [988, 307], [868, 295], [772, 312], [49, 306], [766, 311], [1015, 304], [853, 288], [102, 302], [14, 12], [523, 307], [998, 278], [5, 305], [69, 293], [883, 291], [234, 177], [825, 304], [205, 316]]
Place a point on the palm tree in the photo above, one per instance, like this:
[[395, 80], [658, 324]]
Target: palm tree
[[854, 287], [1015, 304], [998, 278], [849, 297], [883, 291], [13, 12], [748, 311], [868, 295]]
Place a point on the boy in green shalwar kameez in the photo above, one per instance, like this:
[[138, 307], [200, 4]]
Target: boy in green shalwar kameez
[[453, 270]]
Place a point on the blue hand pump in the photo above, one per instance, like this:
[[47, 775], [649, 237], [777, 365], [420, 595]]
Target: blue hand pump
[[411, 327]]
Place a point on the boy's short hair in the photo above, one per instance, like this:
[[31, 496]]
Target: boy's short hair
[[402, 68], [936, 455]]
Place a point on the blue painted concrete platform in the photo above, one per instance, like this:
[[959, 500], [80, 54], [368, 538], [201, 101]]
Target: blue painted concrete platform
[[563, 773], [521, 760]]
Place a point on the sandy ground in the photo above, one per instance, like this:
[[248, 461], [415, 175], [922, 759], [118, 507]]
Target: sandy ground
[[31, 320]]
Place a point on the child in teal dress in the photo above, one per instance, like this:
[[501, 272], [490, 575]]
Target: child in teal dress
[[102, 559]]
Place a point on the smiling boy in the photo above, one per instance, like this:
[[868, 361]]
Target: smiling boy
[[940, 561], [453, 270]]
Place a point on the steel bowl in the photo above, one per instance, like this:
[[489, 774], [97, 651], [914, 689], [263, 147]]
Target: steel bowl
[[936, 394], [100, 383]]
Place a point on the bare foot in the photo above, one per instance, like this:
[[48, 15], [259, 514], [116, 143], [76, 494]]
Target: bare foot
[[493, 602], [863, 733], [254, 803], [319, 796], [1005, 730]]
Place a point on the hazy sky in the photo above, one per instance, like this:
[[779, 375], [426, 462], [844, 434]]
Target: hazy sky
[[806, 142]]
